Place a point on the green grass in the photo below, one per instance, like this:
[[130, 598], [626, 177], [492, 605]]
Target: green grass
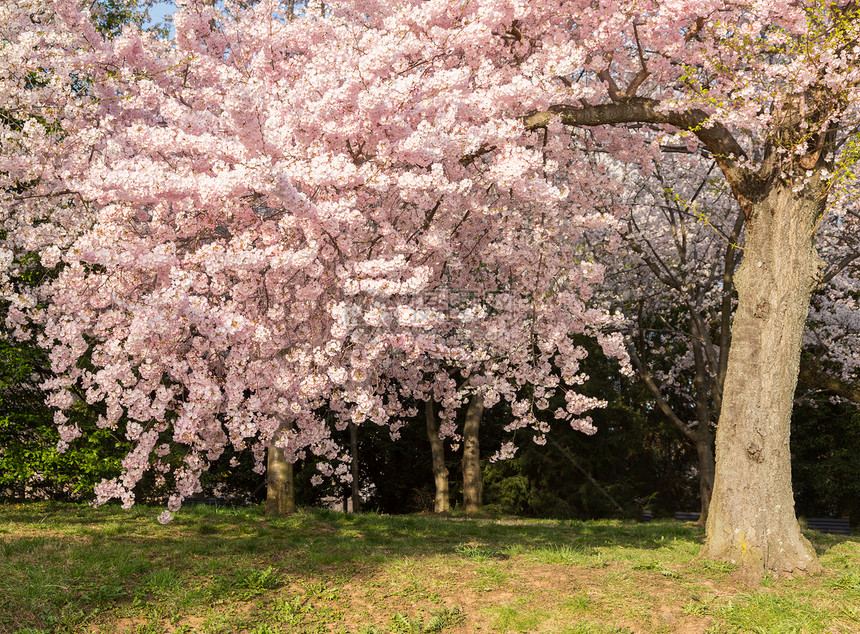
[[70, 568]]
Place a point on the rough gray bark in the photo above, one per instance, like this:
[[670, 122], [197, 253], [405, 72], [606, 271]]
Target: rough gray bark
[[442, 499], [473, 485], [353, 448], [752, 520], [280, 488]]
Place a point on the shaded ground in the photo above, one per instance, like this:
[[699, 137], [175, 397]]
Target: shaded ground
[[68, 568]]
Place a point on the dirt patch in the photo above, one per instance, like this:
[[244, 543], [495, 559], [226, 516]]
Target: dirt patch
[[550, 591]]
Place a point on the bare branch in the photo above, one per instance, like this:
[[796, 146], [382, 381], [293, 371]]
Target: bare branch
[[643, 73], [837, 268], [646, 377], [615, 93], [714, 135]]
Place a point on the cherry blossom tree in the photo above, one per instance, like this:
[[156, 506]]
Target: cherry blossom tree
[[269, 201], [766, 90], [781, 181], [262, 234], [675, 286]]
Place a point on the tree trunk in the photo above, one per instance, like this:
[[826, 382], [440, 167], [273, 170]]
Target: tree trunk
[[705, 453], [280, 489], [702, 436], [442, 501], [751, 520], [472, 484], [353, 449]]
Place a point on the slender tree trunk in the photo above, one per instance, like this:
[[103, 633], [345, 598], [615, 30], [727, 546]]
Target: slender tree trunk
[[707, 466], [473, 485], [280, 487], [751, 519], [442, 501], [702, 436], [353, 448]]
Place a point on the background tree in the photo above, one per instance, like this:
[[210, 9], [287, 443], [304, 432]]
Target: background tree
[[675, 287]]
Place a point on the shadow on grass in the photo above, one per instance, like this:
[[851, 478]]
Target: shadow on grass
[[824, 542], [318, 531], [62, 562]]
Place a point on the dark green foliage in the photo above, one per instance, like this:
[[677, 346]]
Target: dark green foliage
[[28, 435], [633, 456], [507, 487], [395, 475], [395, 468], [825, 450], [235, 485]]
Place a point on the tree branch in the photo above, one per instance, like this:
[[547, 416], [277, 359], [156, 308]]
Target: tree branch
[[811, 377], [646, 377], [837, 268], [693, 31], [714, 135]]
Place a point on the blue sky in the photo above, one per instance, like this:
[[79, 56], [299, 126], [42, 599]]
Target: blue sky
[[161, 10]]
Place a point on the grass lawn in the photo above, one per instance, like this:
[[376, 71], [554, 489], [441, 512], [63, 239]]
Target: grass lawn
[[70, 568]]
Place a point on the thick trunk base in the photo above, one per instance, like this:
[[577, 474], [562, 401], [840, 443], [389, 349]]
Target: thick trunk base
[[751, 518]]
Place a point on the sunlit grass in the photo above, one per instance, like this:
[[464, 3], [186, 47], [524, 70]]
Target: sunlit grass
[[69, 568]]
